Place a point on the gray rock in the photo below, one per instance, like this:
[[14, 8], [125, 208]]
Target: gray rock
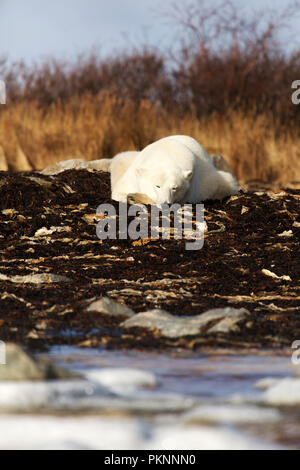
[[224, 320], [283, 392], [44, 232], [100, 165], [85, 396], [110, 307], [122, 380], [72, 164], [77, 164], [42, 278], [227, 324], [22, 366], [231, 414]]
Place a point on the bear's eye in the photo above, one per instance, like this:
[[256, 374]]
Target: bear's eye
[[175, 188], [158, 186]]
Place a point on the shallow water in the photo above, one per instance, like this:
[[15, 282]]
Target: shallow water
[[131, 400], [216, 382], [194, 375]]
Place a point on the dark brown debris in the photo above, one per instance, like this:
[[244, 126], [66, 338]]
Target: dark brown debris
[[250, 259]]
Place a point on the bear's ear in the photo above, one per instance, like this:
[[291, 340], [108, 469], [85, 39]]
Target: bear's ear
[[140, 172], [188, 174]]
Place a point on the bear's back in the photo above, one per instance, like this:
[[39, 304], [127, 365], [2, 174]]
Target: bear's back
[[166, 155], [120, 164], [192, 145]]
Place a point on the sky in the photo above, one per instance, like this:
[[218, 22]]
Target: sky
[[33, 30]]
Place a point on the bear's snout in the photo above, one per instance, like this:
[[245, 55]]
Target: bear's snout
[[165, 196]]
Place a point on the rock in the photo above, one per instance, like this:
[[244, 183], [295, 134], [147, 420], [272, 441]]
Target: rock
[[42, 278], [172, 326], [59, 167], [285, 392], [231, 414], [122, 380], [110, 307], [230, 322], [264, 384], [77, 164], [31, 395], [100, 165], [55, 432], [85, 395], [43, 232], [205, 438], [122, 432], [22, 366]]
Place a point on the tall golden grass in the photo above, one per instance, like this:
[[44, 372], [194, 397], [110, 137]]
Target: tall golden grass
[[227, 83], [100, 126]]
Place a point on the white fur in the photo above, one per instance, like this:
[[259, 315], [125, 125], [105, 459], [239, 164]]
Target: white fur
[[120, 164], [172, 169]]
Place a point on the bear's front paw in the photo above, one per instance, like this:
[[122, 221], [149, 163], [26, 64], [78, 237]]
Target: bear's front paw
[[119, 197], [138, 198]]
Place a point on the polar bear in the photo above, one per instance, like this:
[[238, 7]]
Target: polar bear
[[172, 169], [119, 165]]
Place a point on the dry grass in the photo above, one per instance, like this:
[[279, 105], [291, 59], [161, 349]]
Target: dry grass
[[228, 84], [100, 126]]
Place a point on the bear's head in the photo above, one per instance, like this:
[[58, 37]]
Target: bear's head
[[164, 187]]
